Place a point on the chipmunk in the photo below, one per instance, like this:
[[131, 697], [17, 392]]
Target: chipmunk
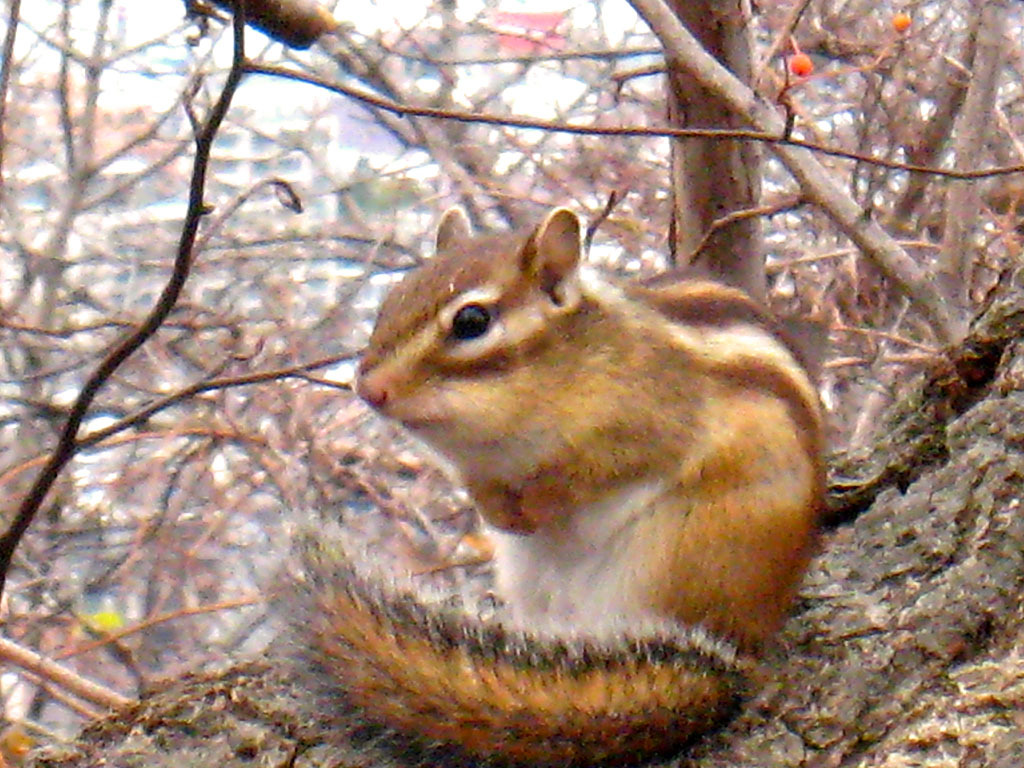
[[648, 459]]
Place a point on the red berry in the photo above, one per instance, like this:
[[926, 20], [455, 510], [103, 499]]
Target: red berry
[[901, 22], [800, 64]]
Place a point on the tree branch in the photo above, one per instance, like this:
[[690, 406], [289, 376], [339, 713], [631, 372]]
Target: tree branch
[[68, 680], [683, 51], [769, 137], [67, 444], [963, 199], [5, 78]]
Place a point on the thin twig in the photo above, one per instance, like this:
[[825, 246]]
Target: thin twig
[[819, 185], [98, 436], [5, 79], [896, 338], [68, 680], [741, 215], [613, 200], [297, 371], [785, 32], [111, 441], [626, 131], [67, 444], [213, 227], [163, 618]]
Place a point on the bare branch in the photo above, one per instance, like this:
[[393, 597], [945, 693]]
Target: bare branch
[[766, 135], [963, 200], [67, 446], [49, 670], [142, 626], [5, 78], [682, 50], [741, 215]]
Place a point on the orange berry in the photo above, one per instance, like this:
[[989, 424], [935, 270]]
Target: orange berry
[[901, 22], [800, 64]]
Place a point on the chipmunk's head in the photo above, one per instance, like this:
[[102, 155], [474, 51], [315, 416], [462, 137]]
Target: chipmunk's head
[[451, 343]]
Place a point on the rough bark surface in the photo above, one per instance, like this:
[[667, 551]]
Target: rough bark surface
[[906, 648]]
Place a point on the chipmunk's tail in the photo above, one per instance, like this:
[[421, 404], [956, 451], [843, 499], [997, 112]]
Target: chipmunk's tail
[[435, 687]]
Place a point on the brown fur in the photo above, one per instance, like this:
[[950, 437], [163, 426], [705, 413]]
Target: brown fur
[[682, 393], [434, 677]]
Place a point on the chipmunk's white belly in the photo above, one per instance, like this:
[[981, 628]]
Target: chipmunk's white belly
[[577, 571]]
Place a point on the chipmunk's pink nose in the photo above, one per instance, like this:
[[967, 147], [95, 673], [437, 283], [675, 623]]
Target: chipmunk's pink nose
[[372, 388]]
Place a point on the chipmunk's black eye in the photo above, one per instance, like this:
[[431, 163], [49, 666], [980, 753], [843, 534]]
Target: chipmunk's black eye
[[470, 322]]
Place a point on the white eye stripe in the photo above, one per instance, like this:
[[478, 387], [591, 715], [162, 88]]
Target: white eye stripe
[[506, 331], [509, 326], [486, 297]]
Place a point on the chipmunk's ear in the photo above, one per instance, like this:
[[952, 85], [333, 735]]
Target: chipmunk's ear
[[553, 250], [454, 228]]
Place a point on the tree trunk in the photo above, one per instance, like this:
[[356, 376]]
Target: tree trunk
[[963, 201], [905, 649], [711, 178]]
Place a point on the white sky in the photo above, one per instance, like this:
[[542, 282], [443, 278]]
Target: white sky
[[124, 87]]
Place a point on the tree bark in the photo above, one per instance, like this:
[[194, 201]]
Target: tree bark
[[904, 650], [963, 201], [711, 179]]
